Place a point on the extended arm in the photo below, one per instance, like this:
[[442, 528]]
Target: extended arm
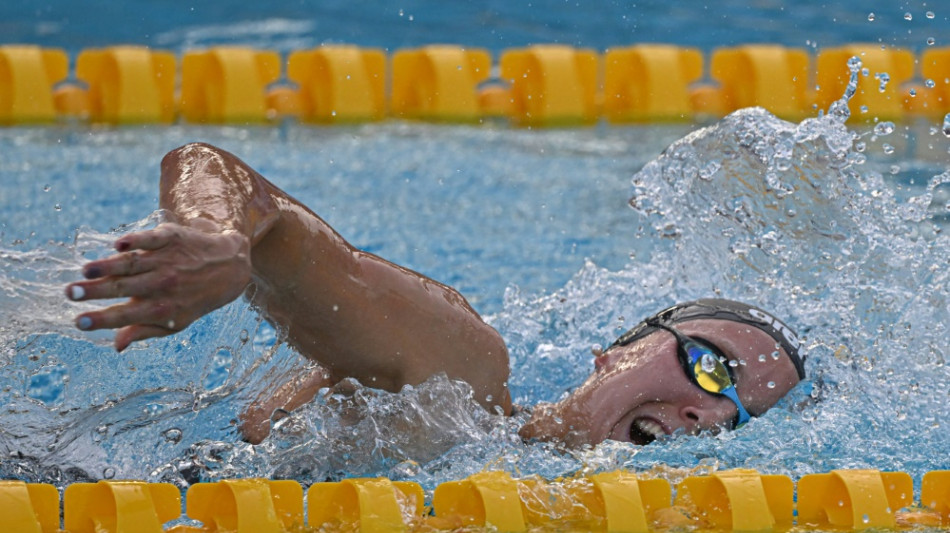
[[354, 313]]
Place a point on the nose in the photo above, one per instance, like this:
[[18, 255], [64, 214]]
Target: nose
[[710, 416]]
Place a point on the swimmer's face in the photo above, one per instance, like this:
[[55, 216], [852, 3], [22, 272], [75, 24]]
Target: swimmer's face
[[639, 392]]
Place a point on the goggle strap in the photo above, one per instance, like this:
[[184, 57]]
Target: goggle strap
[[743, 416]]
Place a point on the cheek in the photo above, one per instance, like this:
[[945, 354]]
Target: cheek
[[768, 384]]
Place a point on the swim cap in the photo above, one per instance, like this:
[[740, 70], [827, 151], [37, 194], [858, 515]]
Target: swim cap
[[722, 309]]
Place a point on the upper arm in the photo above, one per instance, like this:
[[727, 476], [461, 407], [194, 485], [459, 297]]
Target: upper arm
[[361, 316]]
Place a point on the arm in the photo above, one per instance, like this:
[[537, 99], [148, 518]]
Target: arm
[[354, 313]]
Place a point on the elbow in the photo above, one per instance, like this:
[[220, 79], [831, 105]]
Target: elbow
[[186, 152]]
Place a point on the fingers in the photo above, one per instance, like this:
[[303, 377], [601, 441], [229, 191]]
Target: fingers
[[152, 239], [116, 286], [130, 334], [146, 314], [124, 264]]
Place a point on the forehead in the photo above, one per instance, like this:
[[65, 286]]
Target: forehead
[[764, 372]]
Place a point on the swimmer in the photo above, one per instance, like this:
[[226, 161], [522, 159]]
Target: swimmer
[[701, 366]]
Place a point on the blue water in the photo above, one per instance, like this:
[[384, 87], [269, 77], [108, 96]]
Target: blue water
[[560, 238], [493, 24]]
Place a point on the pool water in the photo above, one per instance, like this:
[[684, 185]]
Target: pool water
[[561, 238], [550, 238]]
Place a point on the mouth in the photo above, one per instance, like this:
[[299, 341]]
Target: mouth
[[643, 431]]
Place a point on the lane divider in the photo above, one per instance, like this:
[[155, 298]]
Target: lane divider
[[734, 500], [542, 85]]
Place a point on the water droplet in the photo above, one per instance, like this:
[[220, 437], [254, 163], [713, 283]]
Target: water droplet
[[929, 83], [244, 336], [775, 355], [946, 125], [770, 384], [870, 17], [883, 78], [762, 358], [888, 149], [709, 362], [908, 16], [58, 207], [102, 429], [854, 64], [895, 169], [884, 128], [46, 188], [860, 146], [931, 41], [172, 435], [865, 519], [733, 363], [930, 14], [108, 473], [913, 93]]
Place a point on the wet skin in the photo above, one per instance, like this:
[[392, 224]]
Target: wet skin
[[356, 315], [640, 391]]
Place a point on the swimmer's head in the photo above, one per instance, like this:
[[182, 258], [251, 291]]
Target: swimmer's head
[[699, 366]]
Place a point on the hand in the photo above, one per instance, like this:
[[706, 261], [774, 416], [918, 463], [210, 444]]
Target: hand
[[172, 276]]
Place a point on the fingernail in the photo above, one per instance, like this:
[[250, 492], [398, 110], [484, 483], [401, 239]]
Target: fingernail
[[92, 272], [76, 293], [84, 322]]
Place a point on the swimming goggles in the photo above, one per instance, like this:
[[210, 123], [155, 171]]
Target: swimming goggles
[[704, 365]]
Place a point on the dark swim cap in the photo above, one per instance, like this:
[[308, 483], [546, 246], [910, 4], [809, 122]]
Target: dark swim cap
[[721, 309]]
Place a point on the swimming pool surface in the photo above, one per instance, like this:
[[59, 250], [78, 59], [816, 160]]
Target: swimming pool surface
[[560, 237]]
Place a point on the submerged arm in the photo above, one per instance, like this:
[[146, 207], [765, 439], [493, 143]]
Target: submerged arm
[[354, 313]]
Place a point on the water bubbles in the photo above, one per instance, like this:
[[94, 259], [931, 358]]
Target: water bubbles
[[888, 149], [172, 435], [770, 384], [931, 41], [908, 16], [747, 139], [929, 83], [108, 473], [946, 125], [707, 172], [57, 207], [709, 362], [930, 15], [775, 355], [871, 17], [884, 128], [47, 188], [762, 358]]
